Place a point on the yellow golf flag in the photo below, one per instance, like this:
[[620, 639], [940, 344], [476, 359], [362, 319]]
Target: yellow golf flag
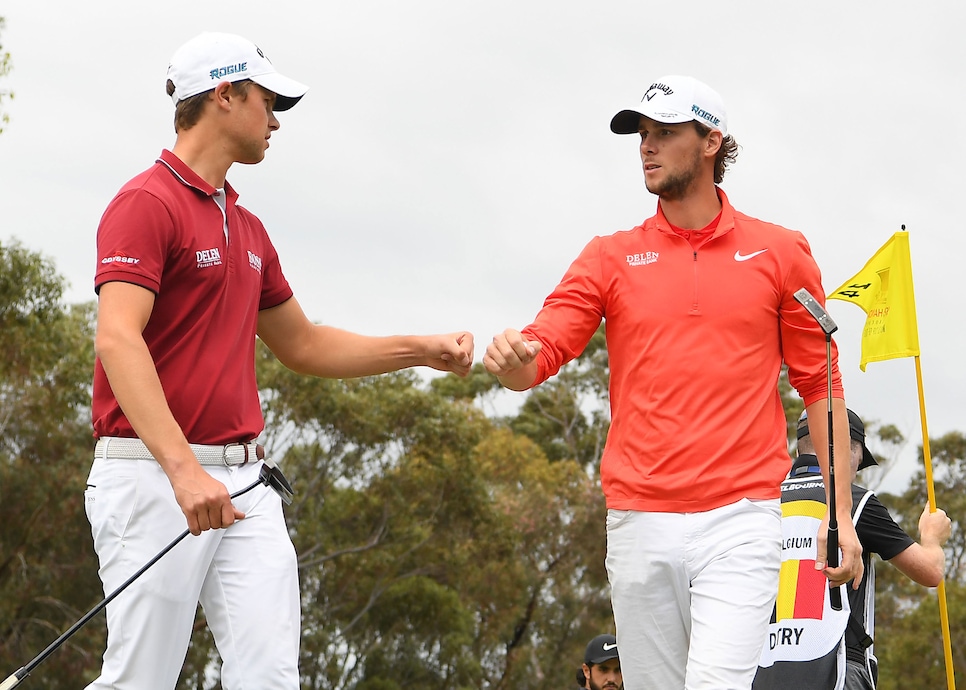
[[883, 289]]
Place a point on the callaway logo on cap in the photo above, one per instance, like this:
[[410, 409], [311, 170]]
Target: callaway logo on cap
[[674, 99], [211, 58]]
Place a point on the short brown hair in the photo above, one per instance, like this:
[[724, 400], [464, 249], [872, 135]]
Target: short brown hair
[[188, 111], [727, 154]]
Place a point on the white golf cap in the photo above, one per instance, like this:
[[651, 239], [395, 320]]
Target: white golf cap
[[675, 99], [211, 58]]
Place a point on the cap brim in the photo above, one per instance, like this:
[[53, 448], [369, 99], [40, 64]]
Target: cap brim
[[601, 659], [629, 121], [626, 122], [868, 460], [287, 91]]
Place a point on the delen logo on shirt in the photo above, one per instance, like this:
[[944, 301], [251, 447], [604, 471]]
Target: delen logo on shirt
[[255, 261], [642, 259], [208, 257]]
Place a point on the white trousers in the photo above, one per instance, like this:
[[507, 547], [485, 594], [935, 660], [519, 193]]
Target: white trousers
[[693, 593], [245, 577]]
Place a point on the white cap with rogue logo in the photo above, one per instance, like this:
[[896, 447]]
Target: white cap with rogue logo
[[672, 100], [211, 58]]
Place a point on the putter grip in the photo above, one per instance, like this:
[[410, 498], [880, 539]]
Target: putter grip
[[834, 593], [13, 680]]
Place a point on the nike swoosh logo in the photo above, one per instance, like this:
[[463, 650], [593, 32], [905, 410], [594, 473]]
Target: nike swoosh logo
[[744, 257], [608, 647]]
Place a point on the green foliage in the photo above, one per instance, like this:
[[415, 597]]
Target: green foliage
[[909, 641], [6, 64], [793, 407], [478, 384], [949, 478], [48, 575], [908, 631], [569, 415], [889, 433]]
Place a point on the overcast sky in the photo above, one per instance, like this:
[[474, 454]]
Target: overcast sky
[[452, 158]]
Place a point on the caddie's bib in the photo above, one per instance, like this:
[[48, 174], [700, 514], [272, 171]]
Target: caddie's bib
[[806, 637]]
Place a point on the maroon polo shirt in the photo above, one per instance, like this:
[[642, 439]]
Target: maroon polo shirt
[[165, 231]]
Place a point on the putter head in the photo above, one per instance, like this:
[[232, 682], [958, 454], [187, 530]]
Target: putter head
[[272, 477], [804, 297]]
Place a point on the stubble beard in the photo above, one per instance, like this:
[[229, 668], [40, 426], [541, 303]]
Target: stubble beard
[[594, 686], [676, 186]]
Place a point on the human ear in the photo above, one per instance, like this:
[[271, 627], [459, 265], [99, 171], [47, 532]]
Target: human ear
[[714, 142], [222, 95]]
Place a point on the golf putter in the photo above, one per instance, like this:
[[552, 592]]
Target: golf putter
[[272, 477], [269, 475], [829, 327]]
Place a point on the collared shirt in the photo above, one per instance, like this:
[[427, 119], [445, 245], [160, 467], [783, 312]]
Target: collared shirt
[[212, 267]]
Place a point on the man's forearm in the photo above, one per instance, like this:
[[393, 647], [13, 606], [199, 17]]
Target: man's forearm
[[134, 380], [842, 460]]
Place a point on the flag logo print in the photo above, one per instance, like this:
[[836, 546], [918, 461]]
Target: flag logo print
[[883, 290], [801, 591], [801, 588]]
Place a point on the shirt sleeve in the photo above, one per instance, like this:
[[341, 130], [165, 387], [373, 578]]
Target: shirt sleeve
[[804, 347], [879, 533], [570, 315], [132, 240]]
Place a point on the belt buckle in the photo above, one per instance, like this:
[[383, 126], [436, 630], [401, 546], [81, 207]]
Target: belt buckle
[[225, 450]]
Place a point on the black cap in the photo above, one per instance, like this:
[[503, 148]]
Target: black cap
[[856, 431], [600, 649]]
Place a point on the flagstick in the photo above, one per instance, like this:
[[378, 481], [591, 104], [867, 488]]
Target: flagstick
[[865, 290], [931, 494]]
